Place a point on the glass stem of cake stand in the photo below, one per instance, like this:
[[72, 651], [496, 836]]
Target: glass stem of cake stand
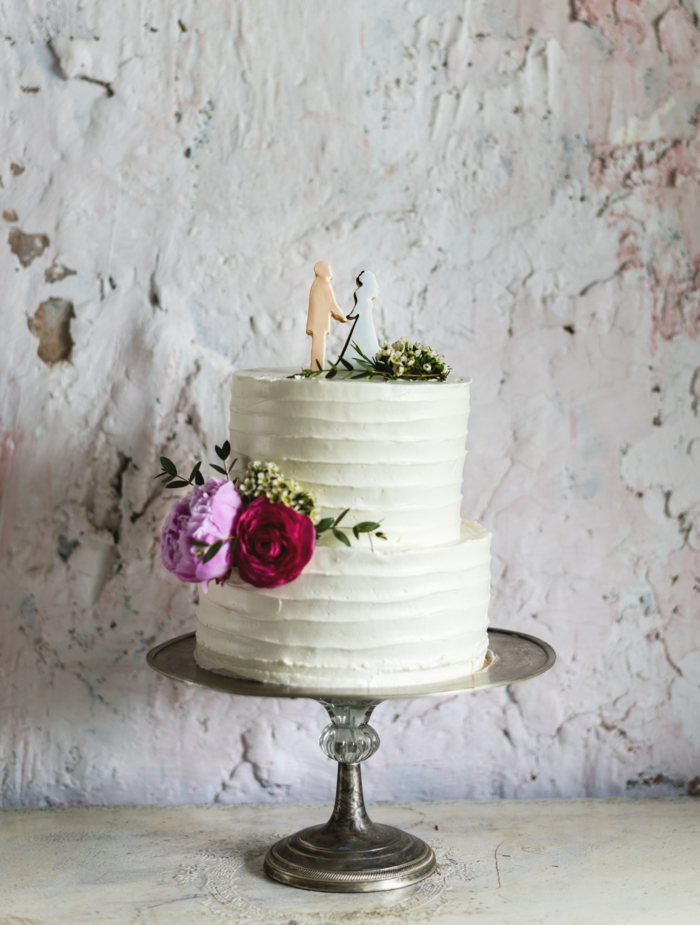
[[348, 739]]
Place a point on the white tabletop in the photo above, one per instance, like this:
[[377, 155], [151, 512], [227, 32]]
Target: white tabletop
[[596, 862]]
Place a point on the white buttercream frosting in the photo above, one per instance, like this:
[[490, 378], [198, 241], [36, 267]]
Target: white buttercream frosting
[[356, 618], [414, 609], [389, 451]]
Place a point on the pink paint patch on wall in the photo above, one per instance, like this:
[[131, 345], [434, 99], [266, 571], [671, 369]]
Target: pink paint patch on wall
[[652, 190], [677, 35], [622, 22]]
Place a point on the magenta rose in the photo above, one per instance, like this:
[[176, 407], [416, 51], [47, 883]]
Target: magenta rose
[[209, 513], [274, 543]]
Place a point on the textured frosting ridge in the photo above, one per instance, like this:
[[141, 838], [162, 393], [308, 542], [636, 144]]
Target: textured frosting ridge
[[390, 451], [378, 619]]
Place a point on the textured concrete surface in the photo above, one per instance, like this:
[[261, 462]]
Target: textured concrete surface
[[612, 862], [523, 178]]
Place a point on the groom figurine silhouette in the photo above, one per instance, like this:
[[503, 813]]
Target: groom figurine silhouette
[[322, 304]]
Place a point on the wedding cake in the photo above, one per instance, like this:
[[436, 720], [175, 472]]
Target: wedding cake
[[332, 555], [384, 613]]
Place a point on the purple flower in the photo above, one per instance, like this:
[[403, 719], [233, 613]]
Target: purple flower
[[208, 513]]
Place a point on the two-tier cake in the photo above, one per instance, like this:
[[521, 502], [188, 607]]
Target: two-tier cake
[[411, 609]]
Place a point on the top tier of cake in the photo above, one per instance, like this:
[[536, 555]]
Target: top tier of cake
[[389, 451]]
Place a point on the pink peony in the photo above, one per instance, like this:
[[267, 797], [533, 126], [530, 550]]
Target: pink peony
[[274, 544], [209, 513]]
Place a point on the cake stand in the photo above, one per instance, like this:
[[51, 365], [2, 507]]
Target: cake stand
[[350, 853]]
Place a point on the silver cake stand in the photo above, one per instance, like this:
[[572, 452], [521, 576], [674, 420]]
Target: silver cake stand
[[350, 853]]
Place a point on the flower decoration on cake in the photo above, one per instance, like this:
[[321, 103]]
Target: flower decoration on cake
[[274, 543], [260, 522], [202, 521], [401, 359], [405, 360], [265, 478]]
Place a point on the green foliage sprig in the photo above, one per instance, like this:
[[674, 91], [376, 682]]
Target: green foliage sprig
[[399, 360], [265, 478], [171, 478], [207, 551], [223, 452], [367, 526]]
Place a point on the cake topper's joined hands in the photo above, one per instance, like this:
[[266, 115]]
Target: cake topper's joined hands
[[322, 304], [363, 334]]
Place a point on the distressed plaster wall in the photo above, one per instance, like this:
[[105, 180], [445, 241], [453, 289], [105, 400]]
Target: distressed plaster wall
[[524, 179]]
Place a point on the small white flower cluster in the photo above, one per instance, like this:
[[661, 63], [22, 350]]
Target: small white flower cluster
[[265, 478], [411, 360]]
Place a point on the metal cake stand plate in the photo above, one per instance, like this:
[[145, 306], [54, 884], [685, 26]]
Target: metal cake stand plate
[[350, 853]]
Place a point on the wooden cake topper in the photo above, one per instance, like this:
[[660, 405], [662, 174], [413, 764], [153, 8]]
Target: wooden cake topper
[[363, 333], [322, 305]]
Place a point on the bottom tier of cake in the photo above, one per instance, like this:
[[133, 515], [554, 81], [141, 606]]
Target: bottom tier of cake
[[356, 618]]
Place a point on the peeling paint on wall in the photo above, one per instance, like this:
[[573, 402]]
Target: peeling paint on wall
[[51, 324], [27, 247], [57, 272]]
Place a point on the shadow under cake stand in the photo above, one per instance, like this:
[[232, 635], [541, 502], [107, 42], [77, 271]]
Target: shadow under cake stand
[[350, 853]]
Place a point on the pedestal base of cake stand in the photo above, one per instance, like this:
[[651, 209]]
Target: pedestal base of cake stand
[[350, 853]]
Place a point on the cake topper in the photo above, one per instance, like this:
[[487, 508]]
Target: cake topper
[[362, 337], [322, 304], [363, 357]]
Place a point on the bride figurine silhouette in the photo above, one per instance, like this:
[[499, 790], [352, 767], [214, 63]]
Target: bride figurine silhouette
[[362, 332]]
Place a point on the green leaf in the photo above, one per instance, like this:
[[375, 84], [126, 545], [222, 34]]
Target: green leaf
[[365, 375], [341, 536], [324, 524], [193, 473], [363, 355], [346, 364], [356, 532], [226, 448], [199, 479], [197, 543], [218, 468], [332, 373], [168, 465], [320, 368], [178, 483], [212, 551], [381, 536], [367, 526], [340, 516], [221, 451]]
